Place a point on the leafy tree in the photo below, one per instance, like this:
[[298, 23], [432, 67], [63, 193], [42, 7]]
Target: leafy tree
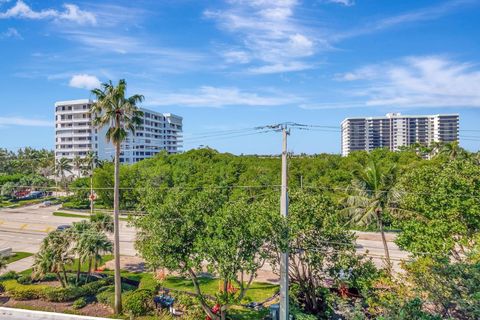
[[8, 188], [189, 229], [370, 196], [440, 209], [321, 249], [122, 116]]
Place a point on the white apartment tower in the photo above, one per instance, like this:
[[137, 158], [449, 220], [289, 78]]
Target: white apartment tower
[[75, 134], [396, 130]]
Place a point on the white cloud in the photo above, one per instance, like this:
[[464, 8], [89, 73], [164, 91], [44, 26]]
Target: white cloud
[[84, 81], [19, 121], [427, 81], [217, 97], [347, 3], [71, 13], [279, 68], [267, 33], [236, 56], [11, 33]]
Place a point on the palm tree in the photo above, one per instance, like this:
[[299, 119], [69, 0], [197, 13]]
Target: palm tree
[[369, 198], [63, 165], [122, 115], [452, 150], [93, 244], [78, 164], [102, 222], [91, 160], [77, 231], [54, 254]]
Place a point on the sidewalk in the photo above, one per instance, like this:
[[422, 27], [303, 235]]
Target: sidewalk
[[19, 265]]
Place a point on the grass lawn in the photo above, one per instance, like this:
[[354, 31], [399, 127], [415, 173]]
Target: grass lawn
[[84, 266], [18, 255], [70, 215], [259, 291], [75, 215]]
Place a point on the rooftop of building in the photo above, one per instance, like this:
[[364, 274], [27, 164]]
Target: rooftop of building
[[398, 115]]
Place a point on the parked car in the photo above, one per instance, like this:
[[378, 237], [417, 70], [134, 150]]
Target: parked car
[[63, 227]]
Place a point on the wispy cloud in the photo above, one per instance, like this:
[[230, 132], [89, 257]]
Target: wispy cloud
[[11, 33], [84, 81], [423, 14], [269, 35], [347, 3], [426, 81], [217, 97], [71, 13], [20, 121]]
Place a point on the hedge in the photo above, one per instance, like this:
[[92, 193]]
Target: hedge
[[138, 302], [25, 292]]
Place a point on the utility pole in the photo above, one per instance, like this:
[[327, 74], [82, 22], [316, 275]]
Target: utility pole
[[284, 307]]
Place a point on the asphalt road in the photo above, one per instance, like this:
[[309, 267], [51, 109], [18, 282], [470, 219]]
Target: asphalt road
[[23, 229]]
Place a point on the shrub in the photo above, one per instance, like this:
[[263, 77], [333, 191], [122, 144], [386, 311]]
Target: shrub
[[138, 302], [25, 279], [106, 296], [149, 282], [25, 292], [79, 303], [64, 294], [9, 276]]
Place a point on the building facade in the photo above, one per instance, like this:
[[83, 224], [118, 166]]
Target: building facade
[[75, 134], [395, 130]]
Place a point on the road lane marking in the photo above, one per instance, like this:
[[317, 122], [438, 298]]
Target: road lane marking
[[23, 226], [48, 229]]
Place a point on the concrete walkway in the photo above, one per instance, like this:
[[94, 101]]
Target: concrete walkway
[[20, 314], [19, 265]]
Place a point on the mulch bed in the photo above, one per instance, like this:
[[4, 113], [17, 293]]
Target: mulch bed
[[92, 309]]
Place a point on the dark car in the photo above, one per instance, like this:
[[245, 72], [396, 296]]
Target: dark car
[[63, 227]]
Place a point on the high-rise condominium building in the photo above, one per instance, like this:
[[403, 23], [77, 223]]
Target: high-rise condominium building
[[75, 134], [396, 130]]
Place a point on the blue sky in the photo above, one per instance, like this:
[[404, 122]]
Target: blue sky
[[237, 64]]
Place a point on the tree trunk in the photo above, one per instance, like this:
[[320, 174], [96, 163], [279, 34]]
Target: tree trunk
[[79, 265], [91, 193], [89, 268], [116, 230], [384, 240], [59, 277], [64, 274], [198, 292]]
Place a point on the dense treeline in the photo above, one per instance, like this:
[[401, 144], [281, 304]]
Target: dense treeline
[[198, 206]]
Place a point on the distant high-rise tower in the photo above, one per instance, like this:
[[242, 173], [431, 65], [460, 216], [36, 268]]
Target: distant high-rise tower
[[75, 134], [395, 130]]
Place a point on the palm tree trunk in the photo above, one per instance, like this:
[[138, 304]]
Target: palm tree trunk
[[384, 240], [59, 277], [91, 193], [89, 268], [116, 230], [79, 265]]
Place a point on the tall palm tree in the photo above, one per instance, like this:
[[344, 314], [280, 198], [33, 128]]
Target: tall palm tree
[[369, 198], [63, 165], [91, 161], [78, 164], [122, 116]]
